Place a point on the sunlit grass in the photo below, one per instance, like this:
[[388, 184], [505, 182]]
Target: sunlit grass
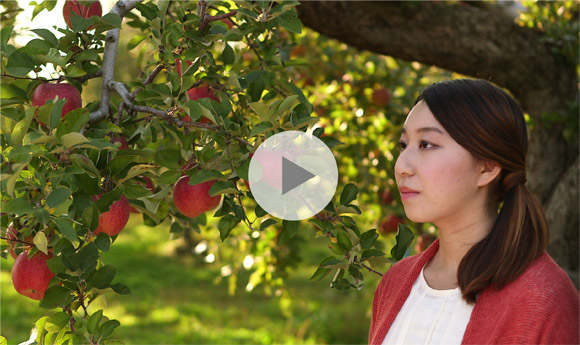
[[177, 300]]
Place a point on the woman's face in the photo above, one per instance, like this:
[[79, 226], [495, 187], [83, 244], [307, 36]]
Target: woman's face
[[437, 178]]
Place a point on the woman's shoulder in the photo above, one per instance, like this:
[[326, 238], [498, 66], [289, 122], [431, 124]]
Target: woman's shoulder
[[543, 283]]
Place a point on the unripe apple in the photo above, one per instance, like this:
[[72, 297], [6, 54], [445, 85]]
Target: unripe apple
[[46, 91], [228, 22], [391, 224], [194, 200], [115, 219], [82, 8], [381, 97], [30, 276], [199, 92], [11, 235]]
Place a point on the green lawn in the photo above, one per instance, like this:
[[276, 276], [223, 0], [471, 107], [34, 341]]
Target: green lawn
[[176, 300]]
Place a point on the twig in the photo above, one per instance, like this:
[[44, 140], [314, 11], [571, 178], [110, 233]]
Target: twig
[[16, 240], [147, 81], [369, 268], [246, 219]]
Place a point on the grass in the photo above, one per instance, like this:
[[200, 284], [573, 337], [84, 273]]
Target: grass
[[178, 300]]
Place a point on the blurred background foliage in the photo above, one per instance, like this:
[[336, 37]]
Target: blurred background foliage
[[189, 286]]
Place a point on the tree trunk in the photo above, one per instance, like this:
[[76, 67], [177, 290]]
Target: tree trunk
[[484, 42]]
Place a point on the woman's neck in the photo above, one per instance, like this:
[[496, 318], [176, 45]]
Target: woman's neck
[[455, 240]]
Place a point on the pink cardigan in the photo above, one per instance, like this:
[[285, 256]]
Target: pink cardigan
[[539, 307]]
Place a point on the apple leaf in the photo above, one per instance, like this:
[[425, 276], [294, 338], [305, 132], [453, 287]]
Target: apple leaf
[[331, 142], [72, 139], [228, 55], [369, 238], [320, 274], [66, 229], [104, 276], [289, 230], [55, 322], [108, 327], [266, 223], [54, 296], [343, 241], [261, 128], [136, 171], [367, 254], [222, 187], [47, 35], [19, 64], [94, 321], [19, 206], [226, 224], [21, 127], [85, 163], [41, 242], [57, 196], [200, 176], [332, 262], [404, 238], [349, 193]]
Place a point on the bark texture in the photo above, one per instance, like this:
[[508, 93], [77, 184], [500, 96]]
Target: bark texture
[[483, 42]]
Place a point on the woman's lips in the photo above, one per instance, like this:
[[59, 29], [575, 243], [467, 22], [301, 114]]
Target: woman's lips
[[407, 193]]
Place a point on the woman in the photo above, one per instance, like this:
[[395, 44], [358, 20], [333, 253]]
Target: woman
[[487, 279]]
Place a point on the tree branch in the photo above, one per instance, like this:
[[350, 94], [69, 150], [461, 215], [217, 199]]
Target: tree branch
[[121, 8]]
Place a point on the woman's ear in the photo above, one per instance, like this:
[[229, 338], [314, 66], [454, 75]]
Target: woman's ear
[[490, 170]]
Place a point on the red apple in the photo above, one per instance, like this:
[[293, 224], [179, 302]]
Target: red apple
[[115, 219], [386, 197], [30, 276], [123, 141], [228, 22], [381, 97], [391, 224], [11, 235], [45, 92], [82, 8], [194, 200], [178, 66], [199, 92], [271, 163], [149, 185]]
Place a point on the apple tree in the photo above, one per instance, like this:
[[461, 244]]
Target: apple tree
[[173, 143]]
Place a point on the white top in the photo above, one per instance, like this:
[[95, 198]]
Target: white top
[[430, 316]]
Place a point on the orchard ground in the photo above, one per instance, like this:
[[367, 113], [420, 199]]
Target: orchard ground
[[178, 300]]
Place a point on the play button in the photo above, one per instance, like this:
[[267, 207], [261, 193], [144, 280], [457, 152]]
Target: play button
[[293, 175]]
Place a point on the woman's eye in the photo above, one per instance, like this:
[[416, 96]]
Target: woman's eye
[[402, 145], [426, 145]]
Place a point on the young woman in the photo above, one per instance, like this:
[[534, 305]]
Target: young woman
[[487, 279]]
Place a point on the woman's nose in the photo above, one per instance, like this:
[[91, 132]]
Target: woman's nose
[[403, 165]]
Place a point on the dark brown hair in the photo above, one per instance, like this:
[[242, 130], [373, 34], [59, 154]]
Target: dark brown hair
[[489, 124]]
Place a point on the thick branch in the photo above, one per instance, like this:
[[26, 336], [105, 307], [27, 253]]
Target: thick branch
[[121, 8]]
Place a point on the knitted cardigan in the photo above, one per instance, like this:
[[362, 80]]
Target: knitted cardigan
[[540, 307]]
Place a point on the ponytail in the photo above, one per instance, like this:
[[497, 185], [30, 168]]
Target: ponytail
[[518, 237]]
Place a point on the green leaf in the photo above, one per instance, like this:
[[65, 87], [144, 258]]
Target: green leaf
[[88, 257], [104, 276], [72, 139], [21, 127], [266, 223], [341, 284], [367, 254], [320, 274], [108, 327], [136, 170], [290, 21], [228, 55], [289, 230], [56, 322], [19, 64], [349, 193], [86, 163], [19, 206], [134, 42], [261, 128], [403, 241], [41, 242], [200, 176], [243, 170], [103, 242], [57, 196], [343, 241], [94, 321], [5, 34], [369, 238], [47, 35], [121, 289], [332, 262], [55, 296], [149, 10], [331, 142], [222, 187], [226, 224], [73, 121]]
